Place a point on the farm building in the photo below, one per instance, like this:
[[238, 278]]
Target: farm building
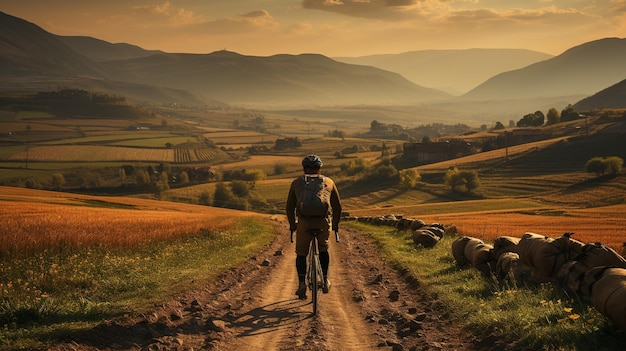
[[437, 151]]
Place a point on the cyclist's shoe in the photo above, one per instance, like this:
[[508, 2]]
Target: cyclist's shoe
[[301, 292], [326, 286]]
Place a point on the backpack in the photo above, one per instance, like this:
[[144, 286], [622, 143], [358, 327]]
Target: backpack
[[314, 198]]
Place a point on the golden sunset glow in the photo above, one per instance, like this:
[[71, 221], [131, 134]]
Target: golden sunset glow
[[330, 27]]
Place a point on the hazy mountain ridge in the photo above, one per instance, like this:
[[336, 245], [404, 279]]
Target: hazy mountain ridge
[[279, 80], [611, 97], [453, 71], [26, 48], [100, 50], [274, 80], [581, 70]]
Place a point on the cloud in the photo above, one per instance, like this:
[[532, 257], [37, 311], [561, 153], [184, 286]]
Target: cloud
[[372, 9], [165, 13], [254, 21]]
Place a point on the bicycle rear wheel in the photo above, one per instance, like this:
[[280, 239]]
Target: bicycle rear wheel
[[314, 280]]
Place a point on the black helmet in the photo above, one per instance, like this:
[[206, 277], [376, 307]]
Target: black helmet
[[312, 162]]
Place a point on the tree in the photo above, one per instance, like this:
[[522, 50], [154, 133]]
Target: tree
[[183, 177], [596, 165], [615, 164], [471, 180], [375, 125], [553, 116], [222, 195], [498, 126], [252, 176], [58, 181], [280, 169], [455, 178], [532, 120], [205, 198], [602, 165], [452, 178], [409, 178], [240, 188], [569, 114]]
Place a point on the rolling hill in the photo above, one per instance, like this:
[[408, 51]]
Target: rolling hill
[[611, 97], [33, 59], [581, 70], [279, 80], [100, 50], [453, 71], [28, 50]]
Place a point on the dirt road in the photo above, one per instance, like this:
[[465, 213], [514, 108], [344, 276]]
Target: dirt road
[[369, 307]]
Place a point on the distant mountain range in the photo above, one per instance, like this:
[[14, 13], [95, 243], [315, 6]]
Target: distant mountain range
[[581, 70], [453, 71], [33, 59]]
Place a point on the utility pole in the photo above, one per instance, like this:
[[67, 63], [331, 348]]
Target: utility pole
[[506, 145]]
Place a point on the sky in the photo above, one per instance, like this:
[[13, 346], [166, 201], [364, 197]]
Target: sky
[[329, 27]]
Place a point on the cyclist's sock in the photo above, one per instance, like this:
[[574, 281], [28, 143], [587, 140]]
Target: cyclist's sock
[[301, 268], [324, 262]]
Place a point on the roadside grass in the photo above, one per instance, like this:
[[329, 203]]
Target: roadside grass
[[47, 296], [525, 316]]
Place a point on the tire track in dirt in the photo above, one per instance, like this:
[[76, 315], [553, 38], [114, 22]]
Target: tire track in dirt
[[283, 322]]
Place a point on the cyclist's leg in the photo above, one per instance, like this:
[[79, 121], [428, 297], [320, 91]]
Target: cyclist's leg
[[303, 240]]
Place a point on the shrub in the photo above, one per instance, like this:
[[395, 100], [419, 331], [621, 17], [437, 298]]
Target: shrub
[[409, 178], [280, 169], [603, 165], [239, 188], [455, 178]]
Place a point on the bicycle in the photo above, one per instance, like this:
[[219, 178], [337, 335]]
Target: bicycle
[[314, 274]]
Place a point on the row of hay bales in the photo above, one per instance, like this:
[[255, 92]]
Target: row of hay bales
[[592, 270], [426, 235]]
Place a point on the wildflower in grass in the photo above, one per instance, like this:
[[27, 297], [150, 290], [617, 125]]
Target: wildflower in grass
[[567, 309]]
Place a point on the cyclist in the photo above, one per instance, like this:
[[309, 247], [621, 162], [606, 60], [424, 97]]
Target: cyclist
[[311, 165]]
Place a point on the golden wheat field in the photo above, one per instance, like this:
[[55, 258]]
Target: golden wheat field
[[35, 220], [101, 153]]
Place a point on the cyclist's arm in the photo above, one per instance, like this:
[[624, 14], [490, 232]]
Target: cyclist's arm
[[335, 203], [291, 208]]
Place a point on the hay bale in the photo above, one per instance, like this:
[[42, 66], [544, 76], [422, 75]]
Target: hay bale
[[417, 224], [592, 255], [507, 266], [608, 292], [479, 256], [503, 244], [555, 254], [458, 251], [425, 238], [529, 249]]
